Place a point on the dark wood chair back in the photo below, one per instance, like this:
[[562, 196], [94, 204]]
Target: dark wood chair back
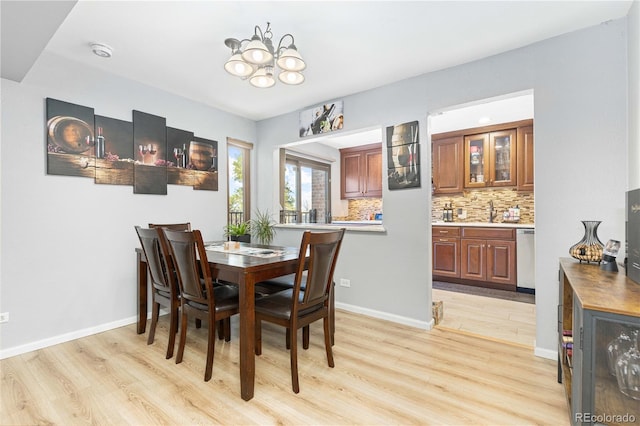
[[323, 249], [189, 259], [172, 226], [150, 243]]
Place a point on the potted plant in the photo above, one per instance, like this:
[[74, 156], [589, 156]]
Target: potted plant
[[238, 232], [263, 227]]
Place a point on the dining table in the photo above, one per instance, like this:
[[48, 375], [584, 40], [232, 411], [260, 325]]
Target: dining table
[[244, 266]]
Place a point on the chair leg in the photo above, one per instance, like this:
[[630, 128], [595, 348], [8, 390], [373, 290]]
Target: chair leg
[[198, 323], [227, 329], [173, 329], [220, 326], [288, 339], [332, 312], [258, 337], [183, 336], [211, 346], [155, 312], [294, 362], [305, 337], [327, 340]]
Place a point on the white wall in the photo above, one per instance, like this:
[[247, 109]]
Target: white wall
[[77, 275], [580, 92], [67, 243]]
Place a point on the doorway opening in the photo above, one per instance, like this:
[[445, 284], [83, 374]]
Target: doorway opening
[[475, 305]]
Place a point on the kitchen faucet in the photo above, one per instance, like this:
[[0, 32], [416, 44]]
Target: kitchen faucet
[[492, 212]]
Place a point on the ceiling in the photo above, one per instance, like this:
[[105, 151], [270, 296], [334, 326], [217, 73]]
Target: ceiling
[[348, 46]]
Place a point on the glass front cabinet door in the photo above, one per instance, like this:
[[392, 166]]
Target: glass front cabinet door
[[490, 159]]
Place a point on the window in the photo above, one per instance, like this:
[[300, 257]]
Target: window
[[306, 190], [238, 190]]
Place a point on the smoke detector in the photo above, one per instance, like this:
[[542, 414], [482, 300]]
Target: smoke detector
[[101, 50]]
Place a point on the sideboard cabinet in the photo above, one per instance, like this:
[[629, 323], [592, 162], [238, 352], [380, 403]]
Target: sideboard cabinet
[[595, 307]]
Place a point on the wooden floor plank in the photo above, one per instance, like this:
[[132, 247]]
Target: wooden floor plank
[[385, 373]]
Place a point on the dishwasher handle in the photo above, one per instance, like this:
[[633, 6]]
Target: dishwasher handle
[[526, 231]]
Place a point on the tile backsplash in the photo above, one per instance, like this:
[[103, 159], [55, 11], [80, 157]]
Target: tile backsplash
[[476, 204], [362, 209]]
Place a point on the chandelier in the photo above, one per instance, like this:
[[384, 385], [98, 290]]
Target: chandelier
[[257, 60]]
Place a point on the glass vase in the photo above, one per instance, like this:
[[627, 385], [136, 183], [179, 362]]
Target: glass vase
[[589, 248]]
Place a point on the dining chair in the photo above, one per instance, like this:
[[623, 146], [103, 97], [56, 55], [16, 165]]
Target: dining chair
[[186, 226], [165, 290], [296, 308], [285, 282], [199, 297]]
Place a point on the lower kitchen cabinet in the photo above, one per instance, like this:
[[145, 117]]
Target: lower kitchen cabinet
[[475, 255], [488, 254], [446, 251], [596, 308]]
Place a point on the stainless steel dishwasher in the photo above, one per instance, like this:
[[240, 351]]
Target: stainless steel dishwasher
[[526, 260]]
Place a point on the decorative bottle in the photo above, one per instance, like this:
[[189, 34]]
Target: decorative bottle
[[99, 144], [589, 248]]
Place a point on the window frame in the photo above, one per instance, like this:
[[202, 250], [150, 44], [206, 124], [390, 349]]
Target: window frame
[[247, 148], [302, 160]]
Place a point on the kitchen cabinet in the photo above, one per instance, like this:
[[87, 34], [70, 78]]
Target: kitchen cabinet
[[488, 255], [525, 158], [446, 251], [490, 159], [495, 156], [361, 172], [595, 307], [447, 165]]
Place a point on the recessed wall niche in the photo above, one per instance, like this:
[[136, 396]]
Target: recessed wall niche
[[143, 153]]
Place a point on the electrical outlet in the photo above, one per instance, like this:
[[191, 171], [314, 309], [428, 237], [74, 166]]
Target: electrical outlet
[[4, 317], [345, 282]]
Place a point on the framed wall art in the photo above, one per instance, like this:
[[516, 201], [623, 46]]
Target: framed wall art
[[322, 119], [403, 156]]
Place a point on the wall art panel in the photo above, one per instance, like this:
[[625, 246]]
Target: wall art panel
[[403, 151], [70, 139], [114, 151], [150, 139]]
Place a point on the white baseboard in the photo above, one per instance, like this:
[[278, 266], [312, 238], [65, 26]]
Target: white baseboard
[[18, 350], [425, 325], [545, 353]]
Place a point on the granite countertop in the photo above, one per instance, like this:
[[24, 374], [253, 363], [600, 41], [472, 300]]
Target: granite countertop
[[486, 224]]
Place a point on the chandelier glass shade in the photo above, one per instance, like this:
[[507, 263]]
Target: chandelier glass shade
[[256, 59]]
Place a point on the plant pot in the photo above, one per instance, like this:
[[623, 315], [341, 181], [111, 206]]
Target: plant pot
[[246, 238]]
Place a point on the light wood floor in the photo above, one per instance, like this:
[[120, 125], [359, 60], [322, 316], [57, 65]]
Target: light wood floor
[[385, 373], [502, 320]]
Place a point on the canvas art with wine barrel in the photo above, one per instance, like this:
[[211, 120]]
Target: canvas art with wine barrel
[[142, 153]]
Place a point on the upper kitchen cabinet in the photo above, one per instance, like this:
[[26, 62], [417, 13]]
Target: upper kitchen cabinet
[[500, 155], [447, 164], [490, 159], [525, 158], [361, 172]]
